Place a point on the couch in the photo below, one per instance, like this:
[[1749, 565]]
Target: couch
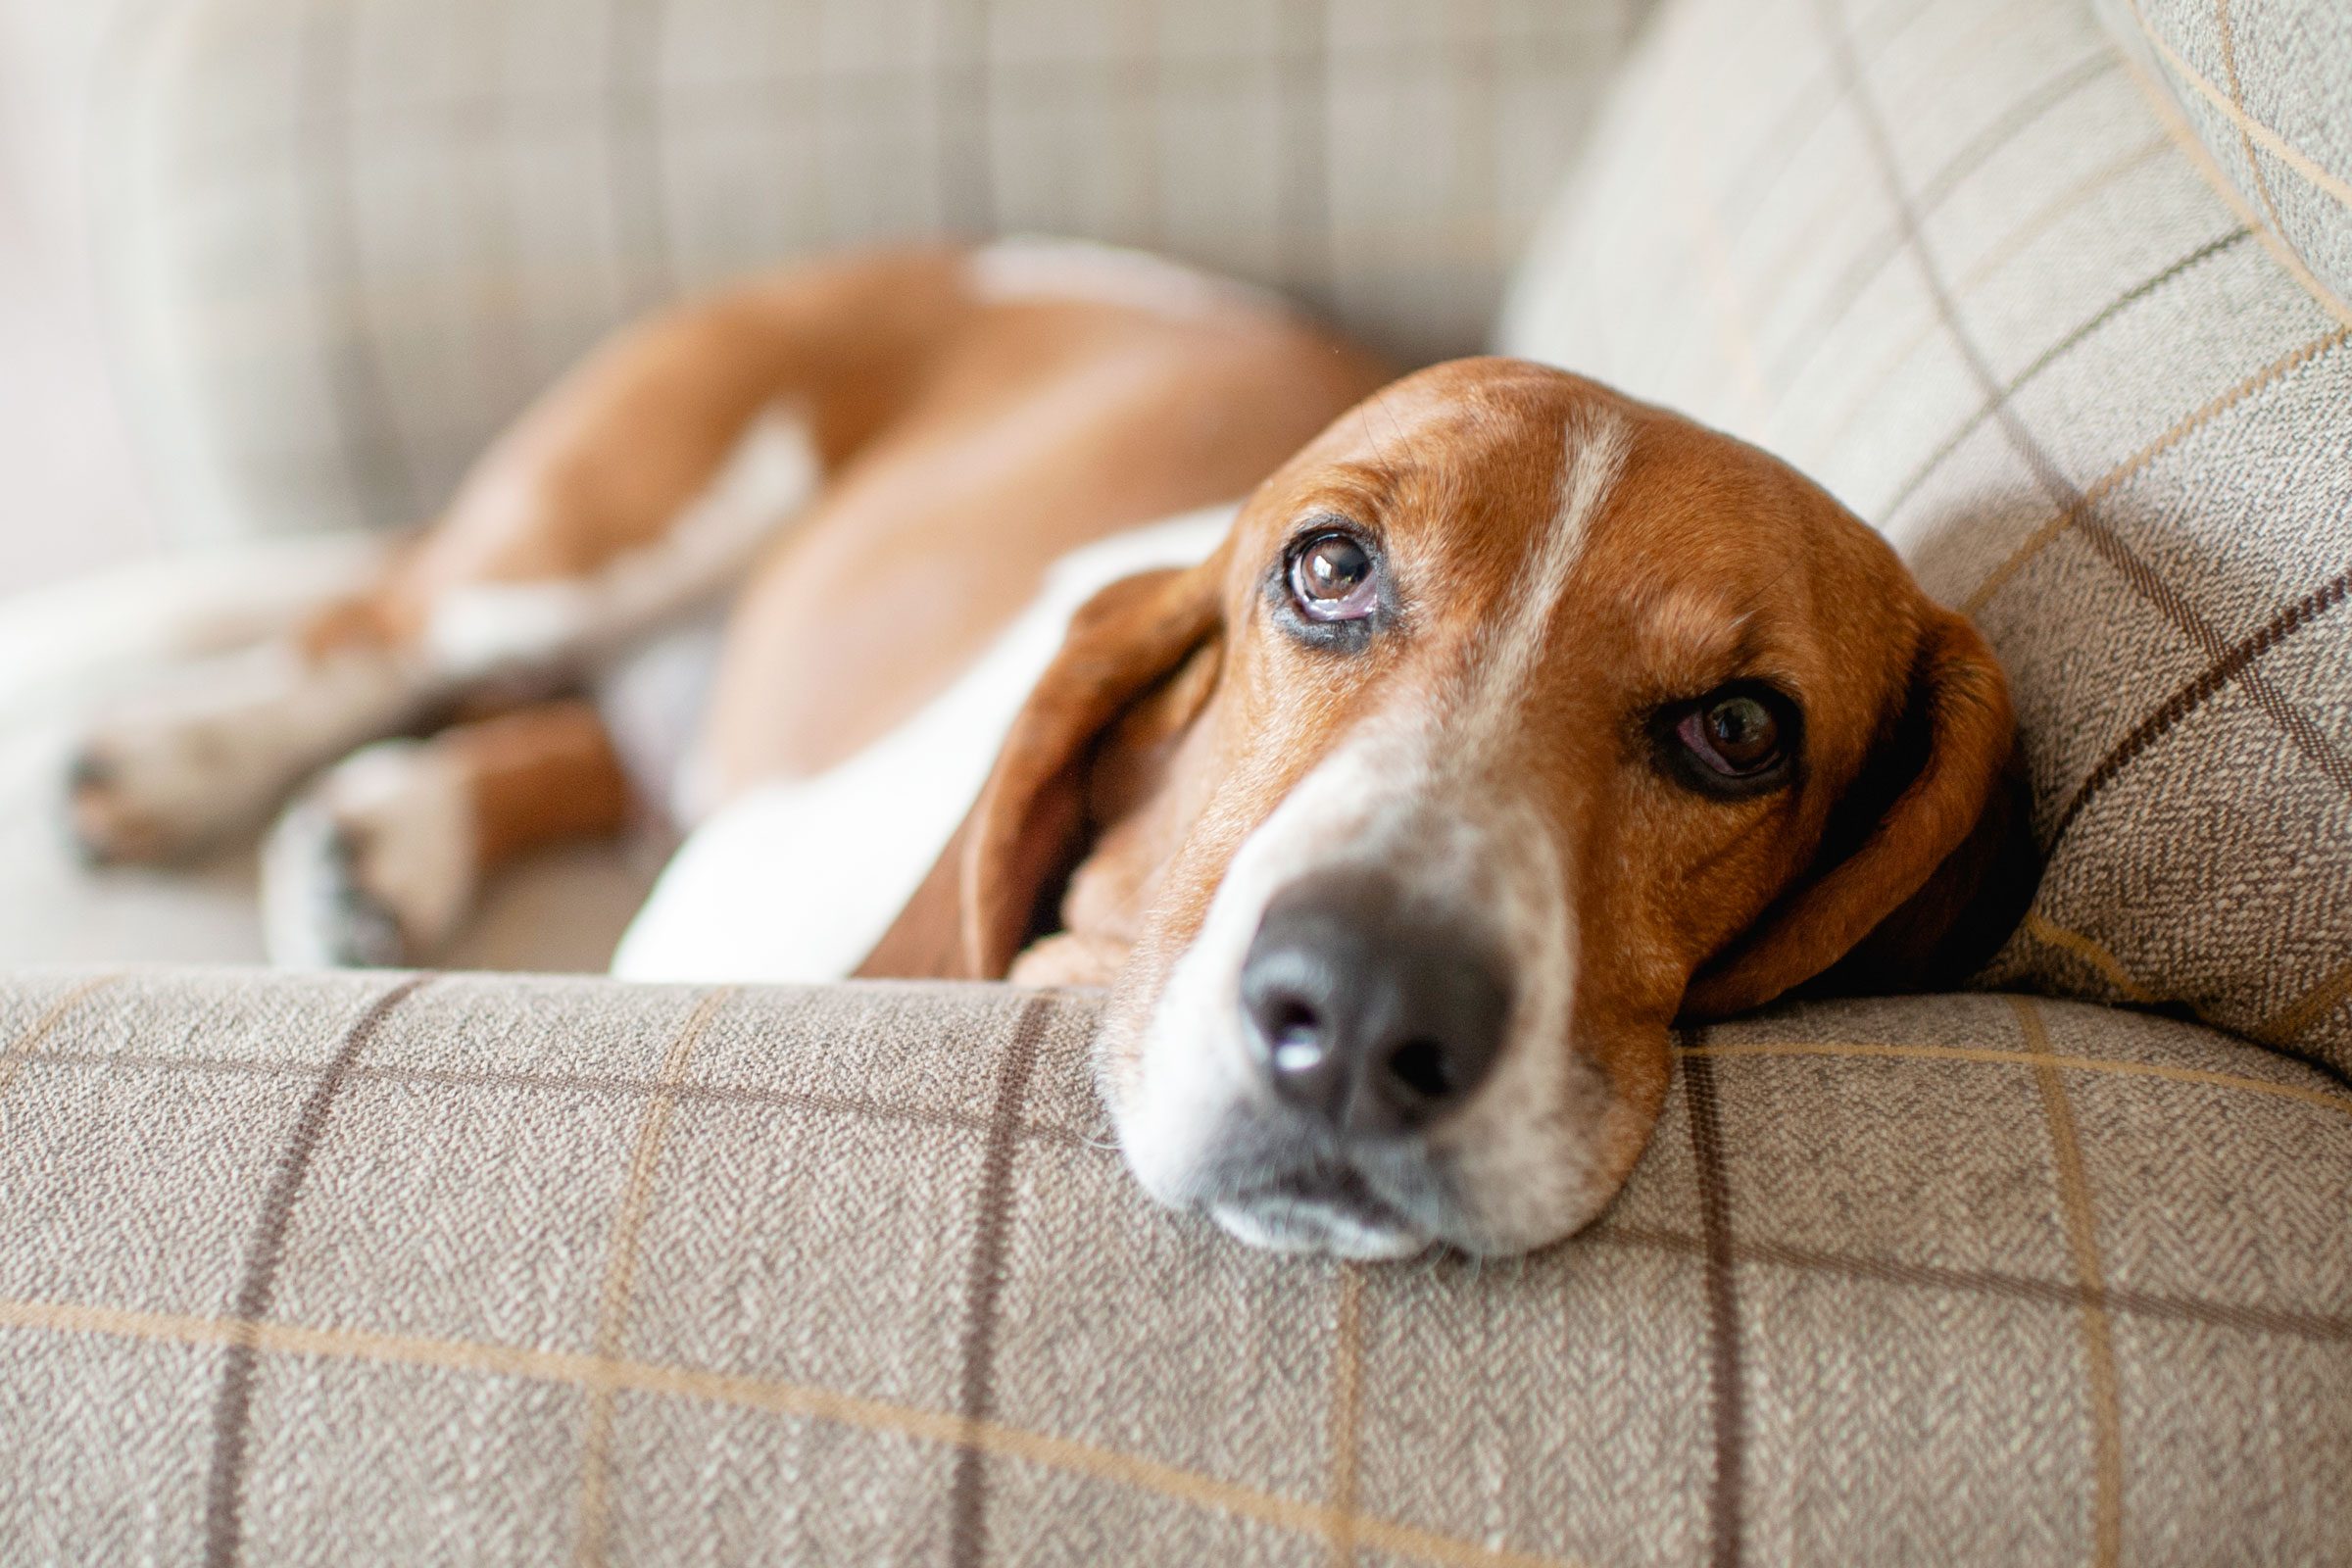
[[513, 1267]]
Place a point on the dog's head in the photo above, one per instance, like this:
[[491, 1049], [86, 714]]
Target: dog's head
[[1513, 721]]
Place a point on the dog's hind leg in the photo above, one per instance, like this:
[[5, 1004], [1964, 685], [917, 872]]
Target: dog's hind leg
[[381, 858], [639, 488]]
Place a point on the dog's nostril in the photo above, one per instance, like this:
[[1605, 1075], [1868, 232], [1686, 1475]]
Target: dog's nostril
[[1369, 1013], [1294, 1036], [1420, 1067]]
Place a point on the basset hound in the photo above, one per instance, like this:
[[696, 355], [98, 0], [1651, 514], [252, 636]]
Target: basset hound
[[1406, 756]]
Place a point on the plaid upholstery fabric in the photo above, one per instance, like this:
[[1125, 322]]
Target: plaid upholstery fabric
[[1947, 256], [353, 237], [2268, 86], [400, 1270]]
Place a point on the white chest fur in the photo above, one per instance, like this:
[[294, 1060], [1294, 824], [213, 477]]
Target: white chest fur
[[798, 880]]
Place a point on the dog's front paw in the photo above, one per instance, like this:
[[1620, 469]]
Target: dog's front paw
[[374, 864], [169, 775], [177, 769]]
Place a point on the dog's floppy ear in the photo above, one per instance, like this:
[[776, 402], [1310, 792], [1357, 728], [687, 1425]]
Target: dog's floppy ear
[[1915, 890], [981, 903]]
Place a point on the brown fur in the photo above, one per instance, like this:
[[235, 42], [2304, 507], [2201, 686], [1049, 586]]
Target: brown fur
[[970, 444], [1710, 561]]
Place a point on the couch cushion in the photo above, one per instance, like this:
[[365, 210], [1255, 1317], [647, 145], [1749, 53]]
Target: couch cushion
[[2267, 86], [351, 240], [1946, 256], [396, 1269]]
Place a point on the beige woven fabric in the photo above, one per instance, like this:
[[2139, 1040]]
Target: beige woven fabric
[[1946, 256], [386, 1269], [352, 237], [2268, 86]]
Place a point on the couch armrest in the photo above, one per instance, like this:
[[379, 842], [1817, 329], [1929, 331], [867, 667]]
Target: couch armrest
[[351, 237], [386, 1269]]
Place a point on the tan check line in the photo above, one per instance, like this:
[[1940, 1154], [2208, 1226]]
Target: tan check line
[[2327, 1101], [2049, 933], [2280, 1029], [611, 1376], [2040, 221], [24, 1045], [2314, 1005], [620, 1273], [2099, 1331], [2277, 146], [2098, 489], [2237, 98], [2185, 137]]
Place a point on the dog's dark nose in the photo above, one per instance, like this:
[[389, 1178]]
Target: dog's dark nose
[[1366, 1011]]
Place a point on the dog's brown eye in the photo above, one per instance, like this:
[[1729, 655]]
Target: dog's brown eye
[[1331, 578], [1734, 735]]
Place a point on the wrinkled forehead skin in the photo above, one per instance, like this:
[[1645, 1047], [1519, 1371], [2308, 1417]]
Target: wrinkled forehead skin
[[1565, 560]]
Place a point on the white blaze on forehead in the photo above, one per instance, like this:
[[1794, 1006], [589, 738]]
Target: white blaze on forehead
[[1590, 461]]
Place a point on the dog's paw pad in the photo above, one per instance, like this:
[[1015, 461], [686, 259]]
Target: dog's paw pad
[[374, 865]]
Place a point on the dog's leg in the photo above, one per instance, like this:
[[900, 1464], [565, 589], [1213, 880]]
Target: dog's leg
[[641, 487], [214, 748], [381, 860]]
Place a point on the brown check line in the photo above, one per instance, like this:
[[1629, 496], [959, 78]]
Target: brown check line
[[1990, 407], [1810, 338], [256, 1281], [2108, 545], [2194, 696], [984, 1287], [2332, 990], [1780, 267], [375, 452], [1988, 1054], [2319, 1326], [571, 1083], [2277, 146], [2106, 483], [620, 1274], [1725, 1390], [2192, 147], [22, 1048], [573, 1369], [2007, 249], [2083, 1242]]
